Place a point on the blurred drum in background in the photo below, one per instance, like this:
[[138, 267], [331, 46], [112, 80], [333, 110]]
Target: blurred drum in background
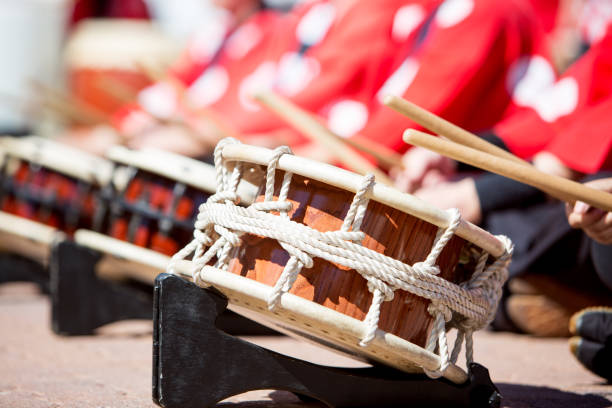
[[106, 60], [48, 190], [156, 196], [155, 199]]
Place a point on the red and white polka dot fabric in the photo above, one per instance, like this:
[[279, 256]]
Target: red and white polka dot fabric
[[212, 66], [337, 57], [461, 66], [570, 117]]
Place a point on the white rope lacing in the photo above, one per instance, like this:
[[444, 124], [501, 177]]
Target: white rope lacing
[[467, 307]]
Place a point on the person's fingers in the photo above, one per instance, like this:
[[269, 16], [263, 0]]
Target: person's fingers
[[601, 225], [604, 184], [604, 237], [585, 220], [403, 182], [433, 178], [581, 207]]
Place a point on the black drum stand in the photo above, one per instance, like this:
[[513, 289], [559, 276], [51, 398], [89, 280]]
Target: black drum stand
[[81, 301], [197, 364], [15, 268]]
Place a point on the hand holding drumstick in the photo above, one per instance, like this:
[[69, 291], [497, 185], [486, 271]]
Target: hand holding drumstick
[[483, 155], [595, 222]]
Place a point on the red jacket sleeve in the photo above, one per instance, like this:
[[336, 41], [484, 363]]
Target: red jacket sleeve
[[351, 61], [568, 114], [459, 72], [163, 98]]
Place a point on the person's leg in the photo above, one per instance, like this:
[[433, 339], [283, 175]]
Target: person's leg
[[602, 261], [592, 344]]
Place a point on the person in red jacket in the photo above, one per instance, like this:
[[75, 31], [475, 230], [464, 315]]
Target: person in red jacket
[[321, 53], [565, 133], [214, 55], [339, 52], [470, 46], [462, 70]]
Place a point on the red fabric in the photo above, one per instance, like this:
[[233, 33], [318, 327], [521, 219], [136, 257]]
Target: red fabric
[[197, 60], [462, 69], [112, 8], [579, 136], [585, 144], [354, 58], [547, 11]]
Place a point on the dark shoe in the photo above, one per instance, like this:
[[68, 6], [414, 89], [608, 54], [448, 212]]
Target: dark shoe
[[593, 344], [538, 315], [593, 323]]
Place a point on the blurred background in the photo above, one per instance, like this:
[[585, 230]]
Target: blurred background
[[72, 62]]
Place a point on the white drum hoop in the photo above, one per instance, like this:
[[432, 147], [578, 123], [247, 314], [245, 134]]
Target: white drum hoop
[[58, 157]]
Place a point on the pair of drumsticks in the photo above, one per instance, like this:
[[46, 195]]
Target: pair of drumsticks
[[462, 146]]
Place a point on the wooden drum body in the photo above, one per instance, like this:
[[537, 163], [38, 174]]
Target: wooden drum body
[[388, 231], [330, 301], [47, 190]]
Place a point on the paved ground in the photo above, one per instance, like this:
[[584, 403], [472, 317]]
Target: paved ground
[[113, 369]]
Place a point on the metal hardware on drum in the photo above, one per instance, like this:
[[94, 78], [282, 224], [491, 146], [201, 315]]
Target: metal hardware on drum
[[195, 364]]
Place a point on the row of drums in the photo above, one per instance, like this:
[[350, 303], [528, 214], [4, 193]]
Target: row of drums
[[138, 206]]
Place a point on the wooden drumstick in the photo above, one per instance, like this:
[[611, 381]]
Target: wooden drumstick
[[318, 133], [561, 188], [67, 106], [383, 155], [446, 129], [221, 128]]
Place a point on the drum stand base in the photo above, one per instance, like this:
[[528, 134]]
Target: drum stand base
[[195, 364], [14, 268], [81, 301]]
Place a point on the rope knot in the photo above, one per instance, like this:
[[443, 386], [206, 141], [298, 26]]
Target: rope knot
[[376, 284], [202, 238], [437, 308], [301, 256], [230, 237], [197, 279], [425, 267], [224, 196]]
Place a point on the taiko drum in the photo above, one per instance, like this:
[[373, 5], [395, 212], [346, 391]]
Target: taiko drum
[[388, 231]]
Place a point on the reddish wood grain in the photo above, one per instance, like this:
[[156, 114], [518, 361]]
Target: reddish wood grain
[[387, 230]]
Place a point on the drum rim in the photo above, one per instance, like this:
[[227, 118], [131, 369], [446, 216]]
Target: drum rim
[[122, 251], [395, 347], [196, 174], [351, 181], [58, 157], [38, 237], [14, 224], [87, 49]]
